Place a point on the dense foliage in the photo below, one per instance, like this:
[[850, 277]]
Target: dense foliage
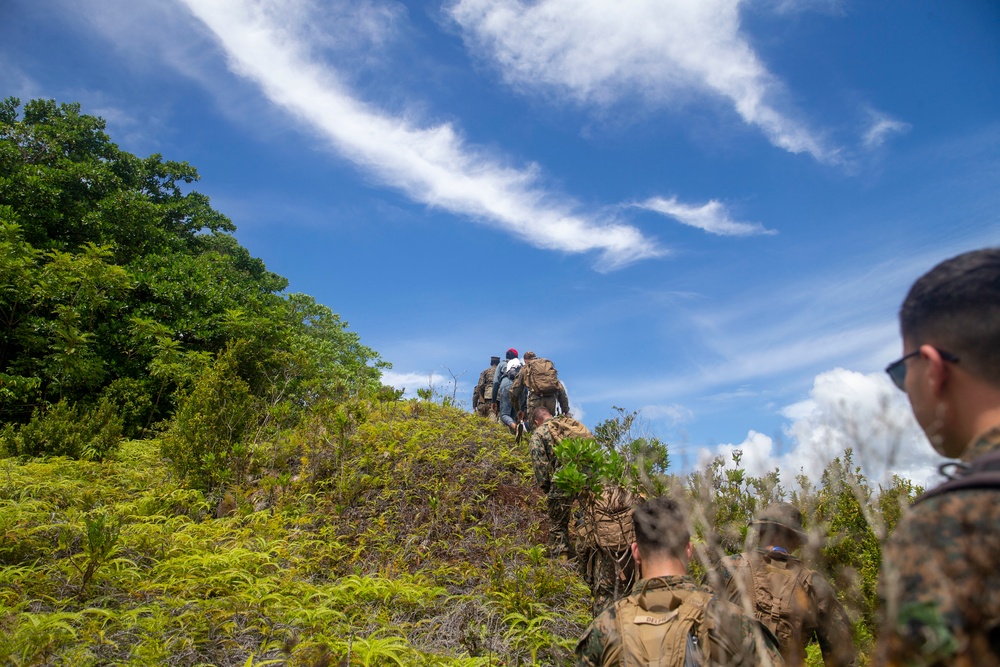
[[283, 506], [124, 295]]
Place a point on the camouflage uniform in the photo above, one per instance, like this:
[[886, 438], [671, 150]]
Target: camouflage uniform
[[939, 589], [814, 603], [609, 573], [604, 534], [547, 401], [544, 464], [481, 395], [732, 636]]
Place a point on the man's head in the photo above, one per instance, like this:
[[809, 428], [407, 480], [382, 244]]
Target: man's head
[[661, 533], [529, 355], [950, 322], [780, 525], [540, 415], [494, 361], [511, 354]]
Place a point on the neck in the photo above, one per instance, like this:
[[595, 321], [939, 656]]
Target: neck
[[663, 567], [978, 412]]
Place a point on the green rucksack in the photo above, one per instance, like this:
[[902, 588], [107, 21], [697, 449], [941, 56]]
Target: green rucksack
[[541, 377], [663, 628]]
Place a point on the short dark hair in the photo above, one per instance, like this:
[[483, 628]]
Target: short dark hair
[[956, 306], [661, 527]]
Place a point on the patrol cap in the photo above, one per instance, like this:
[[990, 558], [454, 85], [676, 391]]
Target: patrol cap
[[494, 360], [785, 515]]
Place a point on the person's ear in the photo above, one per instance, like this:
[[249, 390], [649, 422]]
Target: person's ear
[[936, 372], [689, 551], [635, 554]]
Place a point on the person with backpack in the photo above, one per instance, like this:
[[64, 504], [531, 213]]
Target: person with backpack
[[503, 377], [939, 588], [604, 536], [549, 431], [669, 620], [795, 603], [482, 394], [541, 380]]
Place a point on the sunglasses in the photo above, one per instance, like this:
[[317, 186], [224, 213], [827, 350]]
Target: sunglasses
[[897, 369]]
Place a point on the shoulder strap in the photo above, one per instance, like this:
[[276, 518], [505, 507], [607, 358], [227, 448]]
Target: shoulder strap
[[981, 473]]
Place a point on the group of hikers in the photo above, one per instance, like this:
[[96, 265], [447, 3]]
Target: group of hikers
[[939, 585]]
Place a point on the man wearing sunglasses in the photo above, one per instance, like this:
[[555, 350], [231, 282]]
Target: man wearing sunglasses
[[939, 589]]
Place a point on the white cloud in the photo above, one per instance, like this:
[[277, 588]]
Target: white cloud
[[845, 409], [674, 413], [882, 126], [416, 380], [603, 51], [432, 164], [711, 217]]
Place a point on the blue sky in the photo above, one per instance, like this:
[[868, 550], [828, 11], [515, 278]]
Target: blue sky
[[706, 210]]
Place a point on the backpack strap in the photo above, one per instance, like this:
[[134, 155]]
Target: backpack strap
[[981, 473]]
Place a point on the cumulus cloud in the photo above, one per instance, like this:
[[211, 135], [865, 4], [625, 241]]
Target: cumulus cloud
[[269, 43], [603, 51], [881, 128], [413, 381], [845, 409], [712, 217]]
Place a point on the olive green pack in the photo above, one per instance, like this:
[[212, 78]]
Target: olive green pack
[[663, 628]]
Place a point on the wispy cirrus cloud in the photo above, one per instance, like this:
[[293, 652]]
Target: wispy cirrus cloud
[[602, 51], [881, 128], [712, 217], [274, 45]]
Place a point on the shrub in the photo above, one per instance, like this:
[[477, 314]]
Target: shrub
[[69, 430]]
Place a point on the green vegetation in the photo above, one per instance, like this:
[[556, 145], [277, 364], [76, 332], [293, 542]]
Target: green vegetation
[[198, 468]]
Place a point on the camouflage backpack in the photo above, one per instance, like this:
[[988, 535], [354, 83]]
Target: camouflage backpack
[[541, 377], [780, 600], [662, 628], [607, 522]]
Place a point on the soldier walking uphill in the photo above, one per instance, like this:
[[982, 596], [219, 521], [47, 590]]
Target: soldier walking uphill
[[604, 537], [482, 395], [548, 432], [504, 375], [794, 602], [539, 378], [939, 587], [669, 620]]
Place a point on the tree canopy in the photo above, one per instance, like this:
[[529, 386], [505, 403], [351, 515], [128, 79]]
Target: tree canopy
[[122, 286]]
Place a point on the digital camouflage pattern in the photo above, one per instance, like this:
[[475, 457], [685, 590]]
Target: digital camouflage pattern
[[483, 391], [548, 401], [544, 463], [610, 573], [939, 589], [604, 533], [734, 639], [803, 607]]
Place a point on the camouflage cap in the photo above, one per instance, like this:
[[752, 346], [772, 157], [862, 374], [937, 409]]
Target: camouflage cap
[[785, 515], [494, 361]]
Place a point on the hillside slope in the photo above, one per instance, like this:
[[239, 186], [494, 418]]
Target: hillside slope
[[399, 533]]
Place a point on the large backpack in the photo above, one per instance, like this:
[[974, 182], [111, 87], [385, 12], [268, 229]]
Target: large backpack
[[607, 521], [563, 427], [780, 600], [541, 376], [512, 368], [662, 628]]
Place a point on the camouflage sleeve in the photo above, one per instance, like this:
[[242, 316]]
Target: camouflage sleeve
[[738, 640], [834, 630], [599, 644], [563, 399], [496, 383], [542, 462]]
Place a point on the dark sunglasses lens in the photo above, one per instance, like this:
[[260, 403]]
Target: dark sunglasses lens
[[897, 373]]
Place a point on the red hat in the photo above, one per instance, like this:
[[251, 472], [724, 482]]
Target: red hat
[[511, 353]]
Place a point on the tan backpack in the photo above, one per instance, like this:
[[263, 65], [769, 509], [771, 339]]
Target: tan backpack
[[541, 376], [563, 427], [662, 628], [607, 522], [779, 597]]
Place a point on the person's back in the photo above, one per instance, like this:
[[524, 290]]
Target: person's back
[[482, 393], [669, 620], [794, 602]]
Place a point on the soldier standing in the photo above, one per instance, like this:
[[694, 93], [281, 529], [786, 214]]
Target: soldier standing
[[939, 589], [483, 392], [548, 432], [794, 602], [669, 619], [539, 378]]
